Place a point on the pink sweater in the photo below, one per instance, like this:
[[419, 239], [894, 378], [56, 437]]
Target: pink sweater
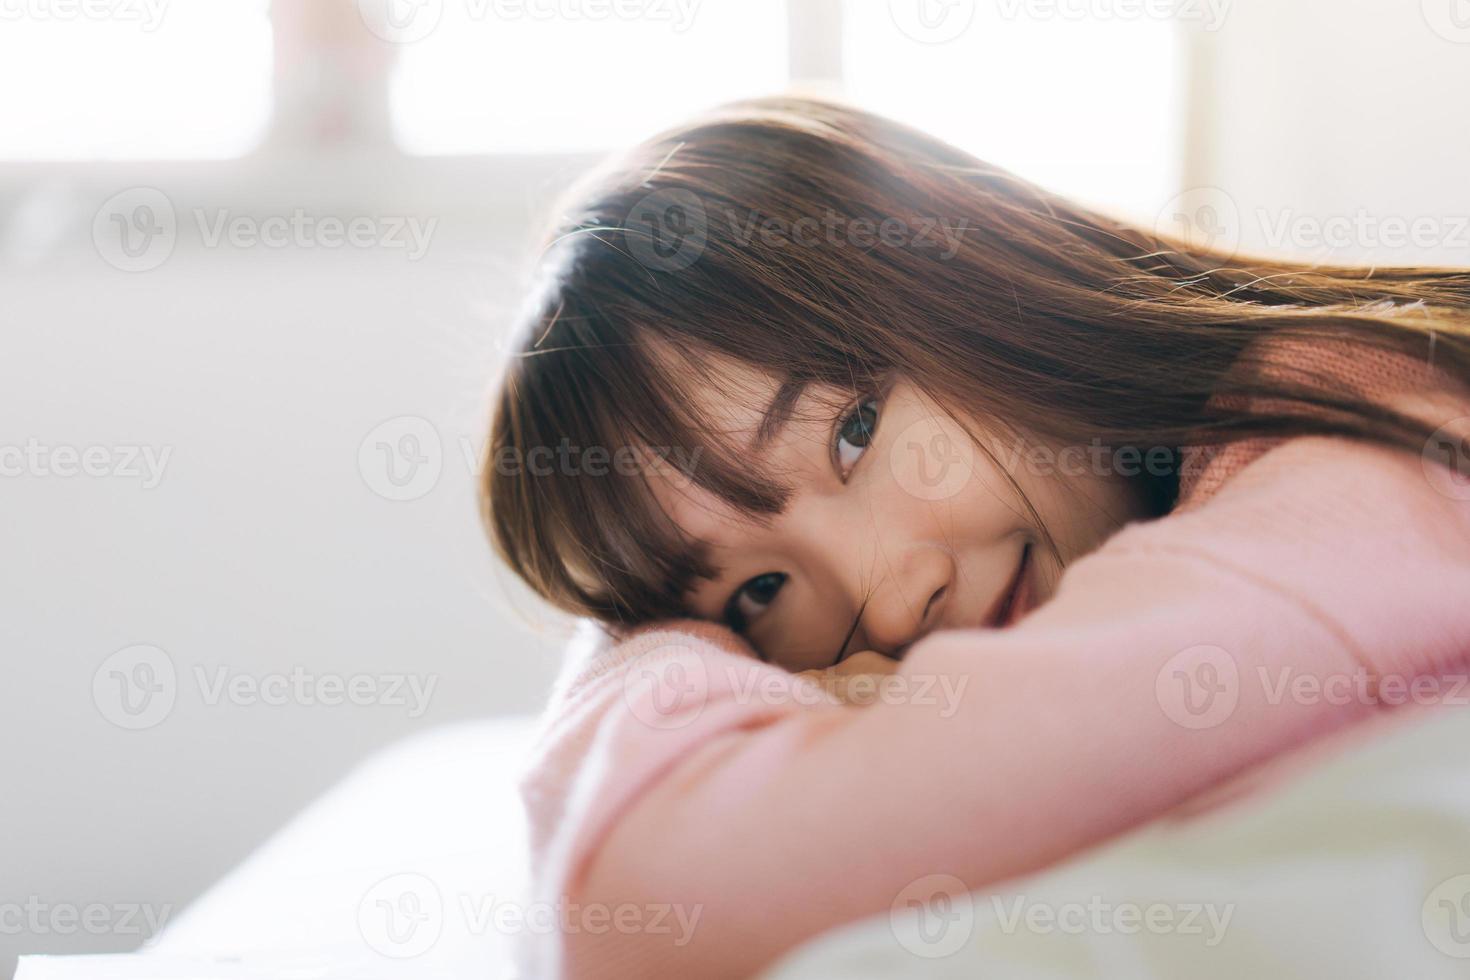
[[695, 812]]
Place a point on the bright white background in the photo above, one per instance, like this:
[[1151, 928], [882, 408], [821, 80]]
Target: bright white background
[[271, 543]]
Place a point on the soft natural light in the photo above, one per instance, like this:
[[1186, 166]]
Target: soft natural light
[[138, 80], [1102, 123], [482, 83]]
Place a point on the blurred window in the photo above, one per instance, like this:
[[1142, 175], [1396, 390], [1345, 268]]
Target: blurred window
[[1060, 93], [133, 79], [512, 76]]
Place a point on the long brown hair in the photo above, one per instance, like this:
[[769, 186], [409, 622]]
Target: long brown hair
[[1041, 313]]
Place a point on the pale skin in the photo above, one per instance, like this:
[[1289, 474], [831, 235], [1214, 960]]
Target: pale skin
[[899, 525]]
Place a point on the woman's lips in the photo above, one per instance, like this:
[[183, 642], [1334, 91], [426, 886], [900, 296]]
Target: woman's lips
[[1017, 596]]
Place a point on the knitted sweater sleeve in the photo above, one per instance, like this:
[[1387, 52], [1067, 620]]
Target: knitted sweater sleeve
[[732, 810]]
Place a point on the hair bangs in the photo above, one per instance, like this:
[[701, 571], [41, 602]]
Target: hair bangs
[[616, 409]]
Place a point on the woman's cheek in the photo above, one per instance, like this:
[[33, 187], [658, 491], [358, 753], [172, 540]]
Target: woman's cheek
[[930, 458]]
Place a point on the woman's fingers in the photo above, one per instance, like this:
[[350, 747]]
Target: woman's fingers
[[842, 679], [865, 662]]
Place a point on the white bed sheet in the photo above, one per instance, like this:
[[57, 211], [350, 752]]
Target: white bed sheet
[[1358, 869], [396, 871]]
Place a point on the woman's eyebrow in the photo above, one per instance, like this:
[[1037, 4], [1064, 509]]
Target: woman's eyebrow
[[773, 419], [778, 412]]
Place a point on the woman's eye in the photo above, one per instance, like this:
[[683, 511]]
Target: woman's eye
[[752, 598], [854, 435]]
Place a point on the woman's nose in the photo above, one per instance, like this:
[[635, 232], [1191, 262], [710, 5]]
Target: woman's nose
[[908, 602]]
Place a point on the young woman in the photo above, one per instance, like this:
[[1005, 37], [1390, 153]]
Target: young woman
[[804, 394]]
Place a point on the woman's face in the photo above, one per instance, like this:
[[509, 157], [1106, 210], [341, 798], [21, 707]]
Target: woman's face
[[898, 523]]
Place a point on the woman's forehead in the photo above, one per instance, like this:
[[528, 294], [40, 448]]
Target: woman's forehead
[[700, 515], [726, 394], [761, 424], [735, 410]]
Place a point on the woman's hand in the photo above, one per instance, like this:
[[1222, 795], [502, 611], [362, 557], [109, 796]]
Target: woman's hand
[[856, 678]]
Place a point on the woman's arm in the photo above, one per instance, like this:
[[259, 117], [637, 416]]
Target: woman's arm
[[1176, 656]]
